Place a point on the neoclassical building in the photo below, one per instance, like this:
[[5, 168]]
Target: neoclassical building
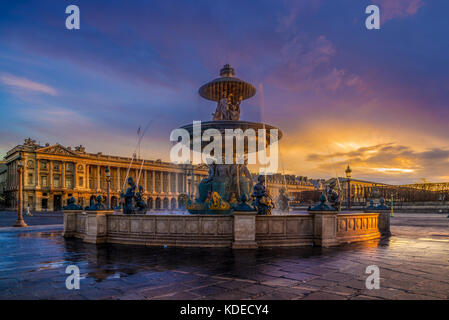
[[293, 184], [360, 189], [54, 173]]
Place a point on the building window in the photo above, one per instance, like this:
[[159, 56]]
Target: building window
[[30, 178], [68, 182], [56, 166], [80, 181], [69, 166], [44, 181], [56, 183], [43, 165]]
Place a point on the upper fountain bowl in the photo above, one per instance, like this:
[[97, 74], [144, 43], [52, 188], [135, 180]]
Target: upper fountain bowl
[[225, 85]]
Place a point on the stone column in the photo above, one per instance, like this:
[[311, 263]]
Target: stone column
[[38, 178], [37, 202], [244, 230], [119, 183], [98, 178], [324, 228], [162, 181], [63, 175], [153, 182], [169, 189], [176, 183], [86, 177], [50, 174], [75, 176]]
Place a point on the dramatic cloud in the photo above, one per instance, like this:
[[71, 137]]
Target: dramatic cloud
[[391, 9], [378, 99], [26, 84], [304, 63], [389, 159]]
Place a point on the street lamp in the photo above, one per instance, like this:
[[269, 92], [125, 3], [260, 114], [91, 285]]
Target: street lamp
[[348, 176], [108, 182], [189, 181], [20, 222]]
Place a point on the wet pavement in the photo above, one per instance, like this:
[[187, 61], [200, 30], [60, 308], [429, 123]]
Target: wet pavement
[[414, 264], [8, 218]]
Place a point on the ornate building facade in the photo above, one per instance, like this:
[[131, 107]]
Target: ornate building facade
[[361, 190], [294, 185], [54, 173]]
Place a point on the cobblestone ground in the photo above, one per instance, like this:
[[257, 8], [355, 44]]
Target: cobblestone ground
[[414, 264]]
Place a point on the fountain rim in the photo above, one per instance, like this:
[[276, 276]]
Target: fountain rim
[[205, 90], [221, 125]]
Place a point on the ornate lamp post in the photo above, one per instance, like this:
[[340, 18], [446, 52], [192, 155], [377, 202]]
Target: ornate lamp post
[[348, 176], [20, 222], [108, 184], [189, 182]]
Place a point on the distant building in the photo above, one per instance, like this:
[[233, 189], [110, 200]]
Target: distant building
[[318, 184], [429, 186], [3, 177], [360, 189], [293, 185]]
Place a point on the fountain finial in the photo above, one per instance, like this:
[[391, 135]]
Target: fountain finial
[[227, 71]]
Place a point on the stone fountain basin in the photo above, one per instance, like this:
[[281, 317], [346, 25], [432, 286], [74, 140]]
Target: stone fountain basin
[[238, 230]]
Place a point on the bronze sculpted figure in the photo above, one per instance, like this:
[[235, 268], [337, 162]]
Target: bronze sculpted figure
[[282, 200], [333, 195], [262, 200], [128, 197], [228, 108], [234, 109], [98, 205], [71, 205], [141, 206]]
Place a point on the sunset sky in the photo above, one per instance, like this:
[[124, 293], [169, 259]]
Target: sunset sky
[[377, 99]]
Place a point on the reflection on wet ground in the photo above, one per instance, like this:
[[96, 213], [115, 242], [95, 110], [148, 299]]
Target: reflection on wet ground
[[414, 264]]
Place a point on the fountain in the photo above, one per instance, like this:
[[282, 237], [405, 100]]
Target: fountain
[[227, 184], [223, 214]]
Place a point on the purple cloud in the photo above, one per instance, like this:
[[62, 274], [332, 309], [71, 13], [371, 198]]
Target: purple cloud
[[391, 9], [26, 84]]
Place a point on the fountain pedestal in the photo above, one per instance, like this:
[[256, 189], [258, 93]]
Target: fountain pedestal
[[244, 230], [324, 228], [96, 226], [70, 223]]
